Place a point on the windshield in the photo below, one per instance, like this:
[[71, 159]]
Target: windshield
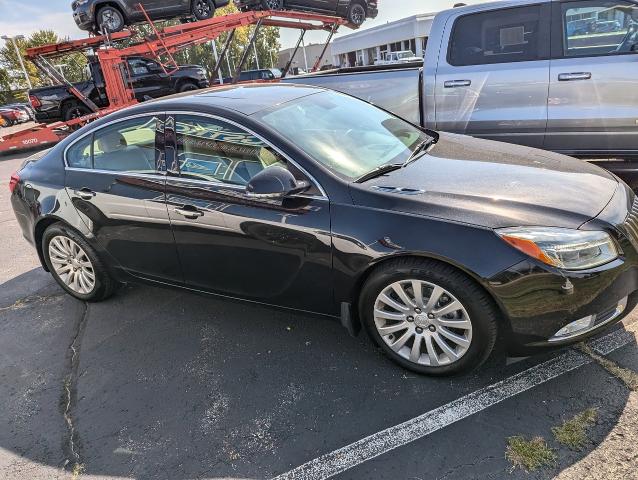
[[405, 54], [347, 135]]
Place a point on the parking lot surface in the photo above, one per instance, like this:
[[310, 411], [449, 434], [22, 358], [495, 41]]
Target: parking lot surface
[[165, 384]]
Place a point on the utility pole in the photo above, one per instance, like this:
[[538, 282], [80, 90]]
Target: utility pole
[[15, 46], [219, 70]]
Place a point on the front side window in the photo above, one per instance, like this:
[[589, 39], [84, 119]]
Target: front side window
[[138, 67], [127, 146], [348, 136], [213, 150], [499, 36], [599, 28]]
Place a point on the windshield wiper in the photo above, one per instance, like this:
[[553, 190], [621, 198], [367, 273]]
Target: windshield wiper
[[377, 172], [420, 148]]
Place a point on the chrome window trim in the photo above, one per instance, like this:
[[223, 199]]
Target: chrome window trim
[[323, 195], [117, 172], [243, 127]]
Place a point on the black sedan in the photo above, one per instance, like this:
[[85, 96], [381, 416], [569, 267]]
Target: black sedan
[[312, 200], [355, 11]]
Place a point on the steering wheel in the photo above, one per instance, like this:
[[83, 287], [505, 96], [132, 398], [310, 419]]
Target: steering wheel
[[629, 39]]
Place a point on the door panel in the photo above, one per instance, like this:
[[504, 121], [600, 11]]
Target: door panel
[[493, 83], [114, 183], [267, 250], [593, 102], [148, 79]]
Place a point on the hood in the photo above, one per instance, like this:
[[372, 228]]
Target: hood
[[492, 184]]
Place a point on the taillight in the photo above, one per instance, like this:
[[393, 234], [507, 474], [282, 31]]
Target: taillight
[[35, 101], [13, 182]]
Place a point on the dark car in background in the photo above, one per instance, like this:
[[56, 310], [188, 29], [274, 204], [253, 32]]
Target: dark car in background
[[355, 11], [147, 78], [313, 200], [113, 15]]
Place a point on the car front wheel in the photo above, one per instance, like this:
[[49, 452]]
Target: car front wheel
[[428, 316], [75, 265], [272, 4]]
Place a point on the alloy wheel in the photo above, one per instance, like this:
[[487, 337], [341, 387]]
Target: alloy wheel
[[202, 8], [110, 20], [357, 14], [274, 4], [72, 265], [423, 323]]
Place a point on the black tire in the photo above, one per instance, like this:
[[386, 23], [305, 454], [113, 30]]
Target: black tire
[[187, 87], [105, 285], [74, 110], [203, 9], [272, 4], [479, 306], [115, 21], [357, 13]]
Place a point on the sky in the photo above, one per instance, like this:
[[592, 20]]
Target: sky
[[22, 17]]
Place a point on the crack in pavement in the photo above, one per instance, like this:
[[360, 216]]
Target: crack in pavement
[[625, 375], [71, 445], [25, 302]]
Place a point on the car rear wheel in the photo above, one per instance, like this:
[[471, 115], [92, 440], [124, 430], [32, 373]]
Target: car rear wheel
[[203, 9], [74, 110], [272, 4], [110, 19], [428, 316], [187, 87], [75, 265], [356, 14]]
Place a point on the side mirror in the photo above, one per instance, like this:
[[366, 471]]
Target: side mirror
[[275, 182]]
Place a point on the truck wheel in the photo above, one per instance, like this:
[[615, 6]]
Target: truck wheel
[[110, 19], [272, 4], [356, 14], [428, 317], [187, 87], [74, 110], [203, 9]]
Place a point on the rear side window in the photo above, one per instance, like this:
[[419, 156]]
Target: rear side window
[[127, 146], [498, 36], [79, 155], [599, 28]]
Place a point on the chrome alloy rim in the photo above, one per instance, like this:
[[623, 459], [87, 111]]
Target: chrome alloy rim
[[72, 264], [358, 14], [423, 323], [273, 4], [110, 20], [203, 8]]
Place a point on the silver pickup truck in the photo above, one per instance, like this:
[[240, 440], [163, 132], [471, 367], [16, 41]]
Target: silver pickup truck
[[553, 74]]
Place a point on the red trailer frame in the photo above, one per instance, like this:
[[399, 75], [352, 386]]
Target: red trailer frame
[[163, 43]]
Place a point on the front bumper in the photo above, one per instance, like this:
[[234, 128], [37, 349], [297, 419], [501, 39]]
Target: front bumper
[[538, 301], [84, 17]]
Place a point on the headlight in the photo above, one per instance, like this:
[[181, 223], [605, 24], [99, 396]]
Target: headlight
[[562, 247]]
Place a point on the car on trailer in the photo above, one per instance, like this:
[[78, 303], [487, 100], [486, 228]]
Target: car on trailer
[[313, 200], [13, 116], [114, 15], [355, 11]]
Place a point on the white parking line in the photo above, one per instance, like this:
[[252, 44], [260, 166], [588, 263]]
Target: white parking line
[[386, 440]]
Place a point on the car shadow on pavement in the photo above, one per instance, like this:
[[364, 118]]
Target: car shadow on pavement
[[158, 383]]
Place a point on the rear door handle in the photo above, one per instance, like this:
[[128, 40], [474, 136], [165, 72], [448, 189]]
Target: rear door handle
[[568, 77], [190, 212], [457, 83], [85, 193]]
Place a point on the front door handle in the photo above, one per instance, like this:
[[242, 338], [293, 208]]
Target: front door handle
[[189, 212], [568, 77], [85, 193], [457, 83]]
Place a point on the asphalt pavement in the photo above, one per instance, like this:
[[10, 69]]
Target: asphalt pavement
[[165, 384]]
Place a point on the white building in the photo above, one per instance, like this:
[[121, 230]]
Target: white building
[[304, 58], [366, 46]]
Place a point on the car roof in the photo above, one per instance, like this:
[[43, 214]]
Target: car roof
[[246, 99]]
